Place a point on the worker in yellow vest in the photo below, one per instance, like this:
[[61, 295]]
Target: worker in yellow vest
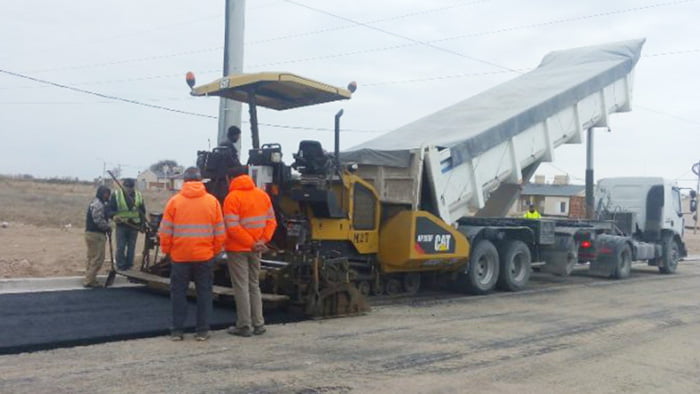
[[128, 212], [532, 213]]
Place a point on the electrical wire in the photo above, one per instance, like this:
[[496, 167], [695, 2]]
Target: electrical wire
[[106, 96], [401, 36], [364, 85], [160, 107], [371, 22], [220, 48], [380, 49]]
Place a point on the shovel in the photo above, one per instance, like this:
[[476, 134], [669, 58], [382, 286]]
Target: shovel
[[112, 272]]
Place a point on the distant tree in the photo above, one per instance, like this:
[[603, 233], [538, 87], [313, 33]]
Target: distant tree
[[161, 166]]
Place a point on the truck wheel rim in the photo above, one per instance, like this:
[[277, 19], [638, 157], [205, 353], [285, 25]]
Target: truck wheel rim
[[674, 256], [484, 270]]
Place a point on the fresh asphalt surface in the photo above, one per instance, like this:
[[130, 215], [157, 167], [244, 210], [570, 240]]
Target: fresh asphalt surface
[[46, 320]]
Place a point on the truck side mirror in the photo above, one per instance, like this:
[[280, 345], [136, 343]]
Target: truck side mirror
[[693, 194], [693, 205]]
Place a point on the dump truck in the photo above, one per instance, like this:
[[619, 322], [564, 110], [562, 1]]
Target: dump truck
[[639, 219], [425, 202]]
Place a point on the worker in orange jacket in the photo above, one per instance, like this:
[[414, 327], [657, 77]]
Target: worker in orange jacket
[[191, 234], [250, 224]]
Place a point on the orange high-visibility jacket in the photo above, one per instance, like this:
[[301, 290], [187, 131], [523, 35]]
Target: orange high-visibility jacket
[[192, 228], [248, 215]]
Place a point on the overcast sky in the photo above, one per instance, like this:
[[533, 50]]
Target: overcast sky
[[140, 50]]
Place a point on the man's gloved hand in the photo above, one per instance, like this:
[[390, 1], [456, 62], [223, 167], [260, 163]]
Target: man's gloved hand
[[118, 220]]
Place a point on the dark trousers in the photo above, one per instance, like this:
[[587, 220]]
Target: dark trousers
[[126, 245], [180, 276]]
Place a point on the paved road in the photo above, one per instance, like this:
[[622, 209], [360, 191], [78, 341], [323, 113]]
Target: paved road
[[579, 335]]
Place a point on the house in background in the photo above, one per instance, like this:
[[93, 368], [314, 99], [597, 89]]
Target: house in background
[[556, 199], [151, 180], [157, 180]]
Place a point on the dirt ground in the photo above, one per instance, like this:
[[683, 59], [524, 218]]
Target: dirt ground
[[598, 336], [45, 236]]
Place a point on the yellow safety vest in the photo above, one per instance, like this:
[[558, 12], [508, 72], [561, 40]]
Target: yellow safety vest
[[123, 210], [532, 215]]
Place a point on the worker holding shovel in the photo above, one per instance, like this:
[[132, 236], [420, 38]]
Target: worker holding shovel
[[128, 208]]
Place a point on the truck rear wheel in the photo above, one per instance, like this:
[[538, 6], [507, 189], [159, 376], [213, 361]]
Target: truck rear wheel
[[482, 271], [671, 255], [515, 261], [624, 263]]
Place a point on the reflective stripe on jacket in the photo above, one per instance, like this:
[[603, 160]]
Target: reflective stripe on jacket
[[192, 228], [123, 210], [248, 215]]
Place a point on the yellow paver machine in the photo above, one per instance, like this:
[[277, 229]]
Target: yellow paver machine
[[335, 243]]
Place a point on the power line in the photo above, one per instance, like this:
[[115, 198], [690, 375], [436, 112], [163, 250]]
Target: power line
[[366, 84], [565, 20], [219, 48], [381, 49], [437, 78], [125, 61], [160, 107], [110, 97], [372, 22], [656, 111], [401, 36]]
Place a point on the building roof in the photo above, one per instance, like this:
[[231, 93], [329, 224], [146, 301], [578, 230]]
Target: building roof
[[536, 189]]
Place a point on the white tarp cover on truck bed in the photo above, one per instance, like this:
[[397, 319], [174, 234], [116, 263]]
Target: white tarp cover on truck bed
[[479, 123]]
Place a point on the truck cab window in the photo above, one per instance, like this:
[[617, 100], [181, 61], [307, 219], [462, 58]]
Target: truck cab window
[[676, 197]]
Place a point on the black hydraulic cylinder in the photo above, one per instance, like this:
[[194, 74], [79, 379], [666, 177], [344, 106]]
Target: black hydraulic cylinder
[[253, 111], [590, 181]]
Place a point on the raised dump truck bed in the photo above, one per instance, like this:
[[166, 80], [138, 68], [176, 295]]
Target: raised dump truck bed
[[456, 161]]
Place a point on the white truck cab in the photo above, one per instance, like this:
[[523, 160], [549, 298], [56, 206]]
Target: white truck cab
[[651, 206]]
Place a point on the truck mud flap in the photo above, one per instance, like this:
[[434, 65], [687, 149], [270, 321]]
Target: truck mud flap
[[607, 247], [561, 257]]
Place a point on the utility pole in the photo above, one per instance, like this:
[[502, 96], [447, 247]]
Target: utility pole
[[696, 171], [229, 110]]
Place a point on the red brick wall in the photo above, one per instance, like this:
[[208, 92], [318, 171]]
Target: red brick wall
[[577, 207]]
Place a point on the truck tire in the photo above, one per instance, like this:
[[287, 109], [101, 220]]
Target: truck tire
[[624, 263], [670, 257], [515, 261], [482, 271]]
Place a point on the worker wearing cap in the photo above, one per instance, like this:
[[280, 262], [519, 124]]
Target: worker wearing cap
[[250, 224], [96, 228], [191, 234], [128, 209], [532, 213]]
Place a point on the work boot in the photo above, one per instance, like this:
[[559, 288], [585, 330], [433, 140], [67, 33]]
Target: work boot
[[177, 336], [201, 336], [259, 330], [240, 331], [92, 285]]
